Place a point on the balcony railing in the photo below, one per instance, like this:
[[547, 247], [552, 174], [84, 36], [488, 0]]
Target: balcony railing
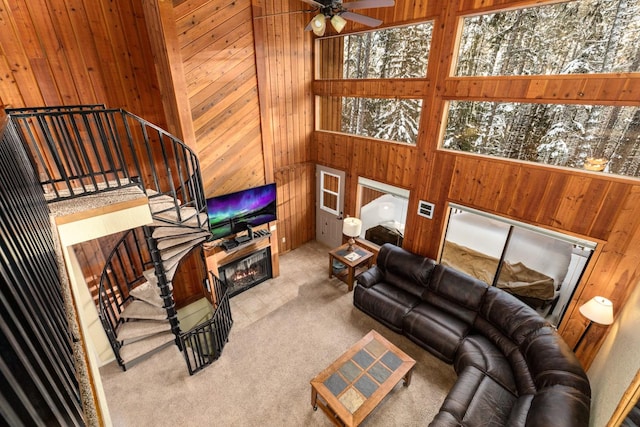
[[78, 150]]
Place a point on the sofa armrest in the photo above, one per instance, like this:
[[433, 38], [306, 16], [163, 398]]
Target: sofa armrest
[[370, 277]]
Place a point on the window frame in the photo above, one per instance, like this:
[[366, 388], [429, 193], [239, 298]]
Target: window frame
[[540, 89]]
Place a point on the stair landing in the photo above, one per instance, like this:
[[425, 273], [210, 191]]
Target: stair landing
[[101, 214]]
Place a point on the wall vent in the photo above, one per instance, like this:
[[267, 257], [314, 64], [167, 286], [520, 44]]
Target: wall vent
[[425, 209]]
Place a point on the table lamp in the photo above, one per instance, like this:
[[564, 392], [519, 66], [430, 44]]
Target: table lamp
[[598, 310], [351, 227]]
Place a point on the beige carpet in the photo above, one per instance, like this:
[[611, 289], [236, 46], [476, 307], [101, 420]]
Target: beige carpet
[[262, 377]]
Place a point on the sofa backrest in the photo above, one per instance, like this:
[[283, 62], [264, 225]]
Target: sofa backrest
[[455, 292], [558, 364], [507, 313], [404, 269]]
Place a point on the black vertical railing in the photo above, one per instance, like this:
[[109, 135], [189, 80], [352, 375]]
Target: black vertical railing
[[124, 268], [77, 150], [37, 364], [203, 344], [80, 150]]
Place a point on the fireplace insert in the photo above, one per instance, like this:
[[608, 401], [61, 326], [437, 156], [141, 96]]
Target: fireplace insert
[[247, 272]]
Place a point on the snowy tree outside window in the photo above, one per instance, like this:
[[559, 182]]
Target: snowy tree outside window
[[577, 37], [394, 120], [561, 135], [391, 53]]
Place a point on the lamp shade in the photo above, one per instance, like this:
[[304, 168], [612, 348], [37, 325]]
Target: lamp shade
[[598, 310], [319, 24], [338, 22], [351, 227]]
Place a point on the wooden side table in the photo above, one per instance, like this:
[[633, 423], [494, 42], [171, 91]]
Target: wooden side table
[[354, 263]]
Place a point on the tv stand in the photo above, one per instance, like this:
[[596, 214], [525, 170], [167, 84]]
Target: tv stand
[[229, 250], [238, 242]]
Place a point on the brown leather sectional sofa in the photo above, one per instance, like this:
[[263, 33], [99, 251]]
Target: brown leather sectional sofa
[[513, 368]]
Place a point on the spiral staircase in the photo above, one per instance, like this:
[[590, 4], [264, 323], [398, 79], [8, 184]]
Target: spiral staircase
[[90, 152]]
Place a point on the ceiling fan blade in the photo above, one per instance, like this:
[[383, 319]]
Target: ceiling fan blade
[[366, 4], [361, 19], [313, 3]]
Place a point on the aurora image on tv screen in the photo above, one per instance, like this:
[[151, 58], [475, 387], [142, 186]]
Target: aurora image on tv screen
[[236, 212]]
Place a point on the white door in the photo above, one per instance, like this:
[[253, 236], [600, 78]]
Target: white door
[[329, 206]]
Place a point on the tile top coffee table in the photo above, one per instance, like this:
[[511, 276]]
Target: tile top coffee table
[[352, 387]]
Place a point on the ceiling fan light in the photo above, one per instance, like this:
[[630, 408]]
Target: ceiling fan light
[[319, 24], [338, 22]]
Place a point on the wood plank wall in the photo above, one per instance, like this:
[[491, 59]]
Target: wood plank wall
[[600, 207], [285, 72], [68, 52], [216, 44], [249, 134]]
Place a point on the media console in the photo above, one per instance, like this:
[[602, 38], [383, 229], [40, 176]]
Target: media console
[[217, 255], [245, 239]]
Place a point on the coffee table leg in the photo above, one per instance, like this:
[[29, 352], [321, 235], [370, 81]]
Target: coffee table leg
[[407, 378], [314, 398]]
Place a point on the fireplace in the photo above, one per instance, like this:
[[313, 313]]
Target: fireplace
[[246, 272]]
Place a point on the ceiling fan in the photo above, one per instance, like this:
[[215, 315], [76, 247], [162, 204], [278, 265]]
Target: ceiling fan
[[338, 12]]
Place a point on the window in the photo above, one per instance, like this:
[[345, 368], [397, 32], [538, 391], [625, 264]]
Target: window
[[330, 193], [587, 36], [592, 137], [538, 266], [389, 119], [391, 53], [383, 211]]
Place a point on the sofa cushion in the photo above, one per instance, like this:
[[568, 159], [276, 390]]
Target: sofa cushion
[[559, 406], [509, 315], [479, 352], [401, 268], [511, 351], [477, 400], [457, 287], [558, 366], [520, 411], [438, 331], [384, 302]]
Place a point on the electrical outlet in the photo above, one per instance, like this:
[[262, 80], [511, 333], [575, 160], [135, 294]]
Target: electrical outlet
[[284, 240]]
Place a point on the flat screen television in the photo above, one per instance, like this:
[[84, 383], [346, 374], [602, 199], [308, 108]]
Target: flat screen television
[[236, 212]]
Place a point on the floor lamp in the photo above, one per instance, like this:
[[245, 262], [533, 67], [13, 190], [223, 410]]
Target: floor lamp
[[597, 310]]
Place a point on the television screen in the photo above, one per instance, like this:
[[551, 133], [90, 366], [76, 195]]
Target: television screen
[[232, 213]]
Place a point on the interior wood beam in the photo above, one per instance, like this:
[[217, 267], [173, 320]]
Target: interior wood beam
[[378, 88]]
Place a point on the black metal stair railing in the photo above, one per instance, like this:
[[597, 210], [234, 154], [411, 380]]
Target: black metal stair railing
[[203, 344], [90, 149], [123, 270]]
